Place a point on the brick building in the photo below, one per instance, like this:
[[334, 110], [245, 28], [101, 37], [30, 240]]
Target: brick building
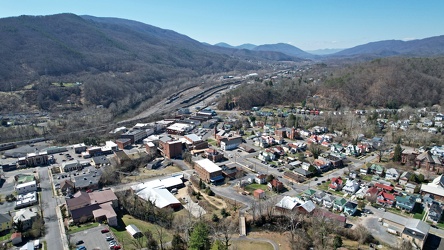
[[208, 171], [170, 149]]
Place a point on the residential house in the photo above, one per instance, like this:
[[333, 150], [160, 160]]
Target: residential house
[[350, 208], [309, 193], [405, 177], [406, 203], [5, 222], [336, 183], [291, 176], [435, 212], [266, 156], [275, 185], [364, 171], [351, 186], [335, 218], [318, 196], [260, 178], [339, 204], [386, 199], [303, 172], [328, 201], [352, 150], [377, 169], [384, 187], [392, 174], [26, 216], [410, 188], [287, 203]]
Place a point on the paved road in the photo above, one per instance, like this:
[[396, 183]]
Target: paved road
[[49, 204]]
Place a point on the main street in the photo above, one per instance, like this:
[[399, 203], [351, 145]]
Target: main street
[[49, 205]]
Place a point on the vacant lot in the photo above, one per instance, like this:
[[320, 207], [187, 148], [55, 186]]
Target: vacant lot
[[148, 173], [250, 245], [128, 241]]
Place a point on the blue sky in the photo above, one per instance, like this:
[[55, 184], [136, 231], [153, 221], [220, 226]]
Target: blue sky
[[307, 24]]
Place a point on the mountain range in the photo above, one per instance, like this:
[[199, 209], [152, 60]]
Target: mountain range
[[129, 61], [431, 46]]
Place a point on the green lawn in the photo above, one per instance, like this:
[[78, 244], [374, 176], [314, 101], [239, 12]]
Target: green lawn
[[6, 236], [250, 245], [75, 229], [129, 242], [419, 215], [250, 188], [212, 142]]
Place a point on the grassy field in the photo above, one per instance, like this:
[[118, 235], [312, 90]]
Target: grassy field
[[75, 229], [129, 242], [250, 188], [147, 173], [250, 245]]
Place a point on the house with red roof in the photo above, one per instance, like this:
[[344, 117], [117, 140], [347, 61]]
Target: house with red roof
[[336, 184], [386, 199], [383, 187]]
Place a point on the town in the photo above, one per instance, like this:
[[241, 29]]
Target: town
[[251, 166]]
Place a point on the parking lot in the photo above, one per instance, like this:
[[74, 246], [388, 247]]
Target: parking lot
[[92, 238]]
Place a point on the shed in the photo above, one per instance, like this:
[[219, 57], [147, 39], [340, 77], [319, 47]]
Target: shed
[[259, 193], [133, 230], [16, 238]]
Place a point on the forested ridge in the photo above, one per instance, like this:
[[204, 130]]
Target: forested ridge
[[116, 60], [387, 82]]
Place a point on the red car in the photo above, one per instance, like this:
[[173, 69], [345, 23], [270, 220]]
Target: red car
[[117, 247], [104, 231], [89, 191]]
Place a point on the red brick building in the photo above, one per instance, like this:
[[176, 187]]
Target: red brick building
[[170, 149]]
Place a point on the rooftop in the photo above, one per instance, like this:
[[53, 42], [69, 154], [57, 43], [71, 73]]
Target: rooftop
[[208, 165]]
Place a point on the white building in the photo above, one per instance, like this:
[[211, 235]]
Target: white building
[[26, 187], [25, 200], [351, 186]]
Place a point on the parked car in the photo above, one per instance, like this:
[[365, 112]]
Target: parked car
[[79, 242], [81, 248], [109, 238], [104, 231]]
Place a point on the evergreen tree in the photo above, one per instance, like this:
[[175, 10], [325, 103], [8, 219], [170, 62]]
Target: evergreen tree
[[397, 155], [199, 238]]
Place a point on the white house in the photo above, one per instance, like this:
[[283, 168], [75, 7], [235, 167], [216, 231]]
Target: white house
[[351, 186], [392, 174], [26, 187]]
